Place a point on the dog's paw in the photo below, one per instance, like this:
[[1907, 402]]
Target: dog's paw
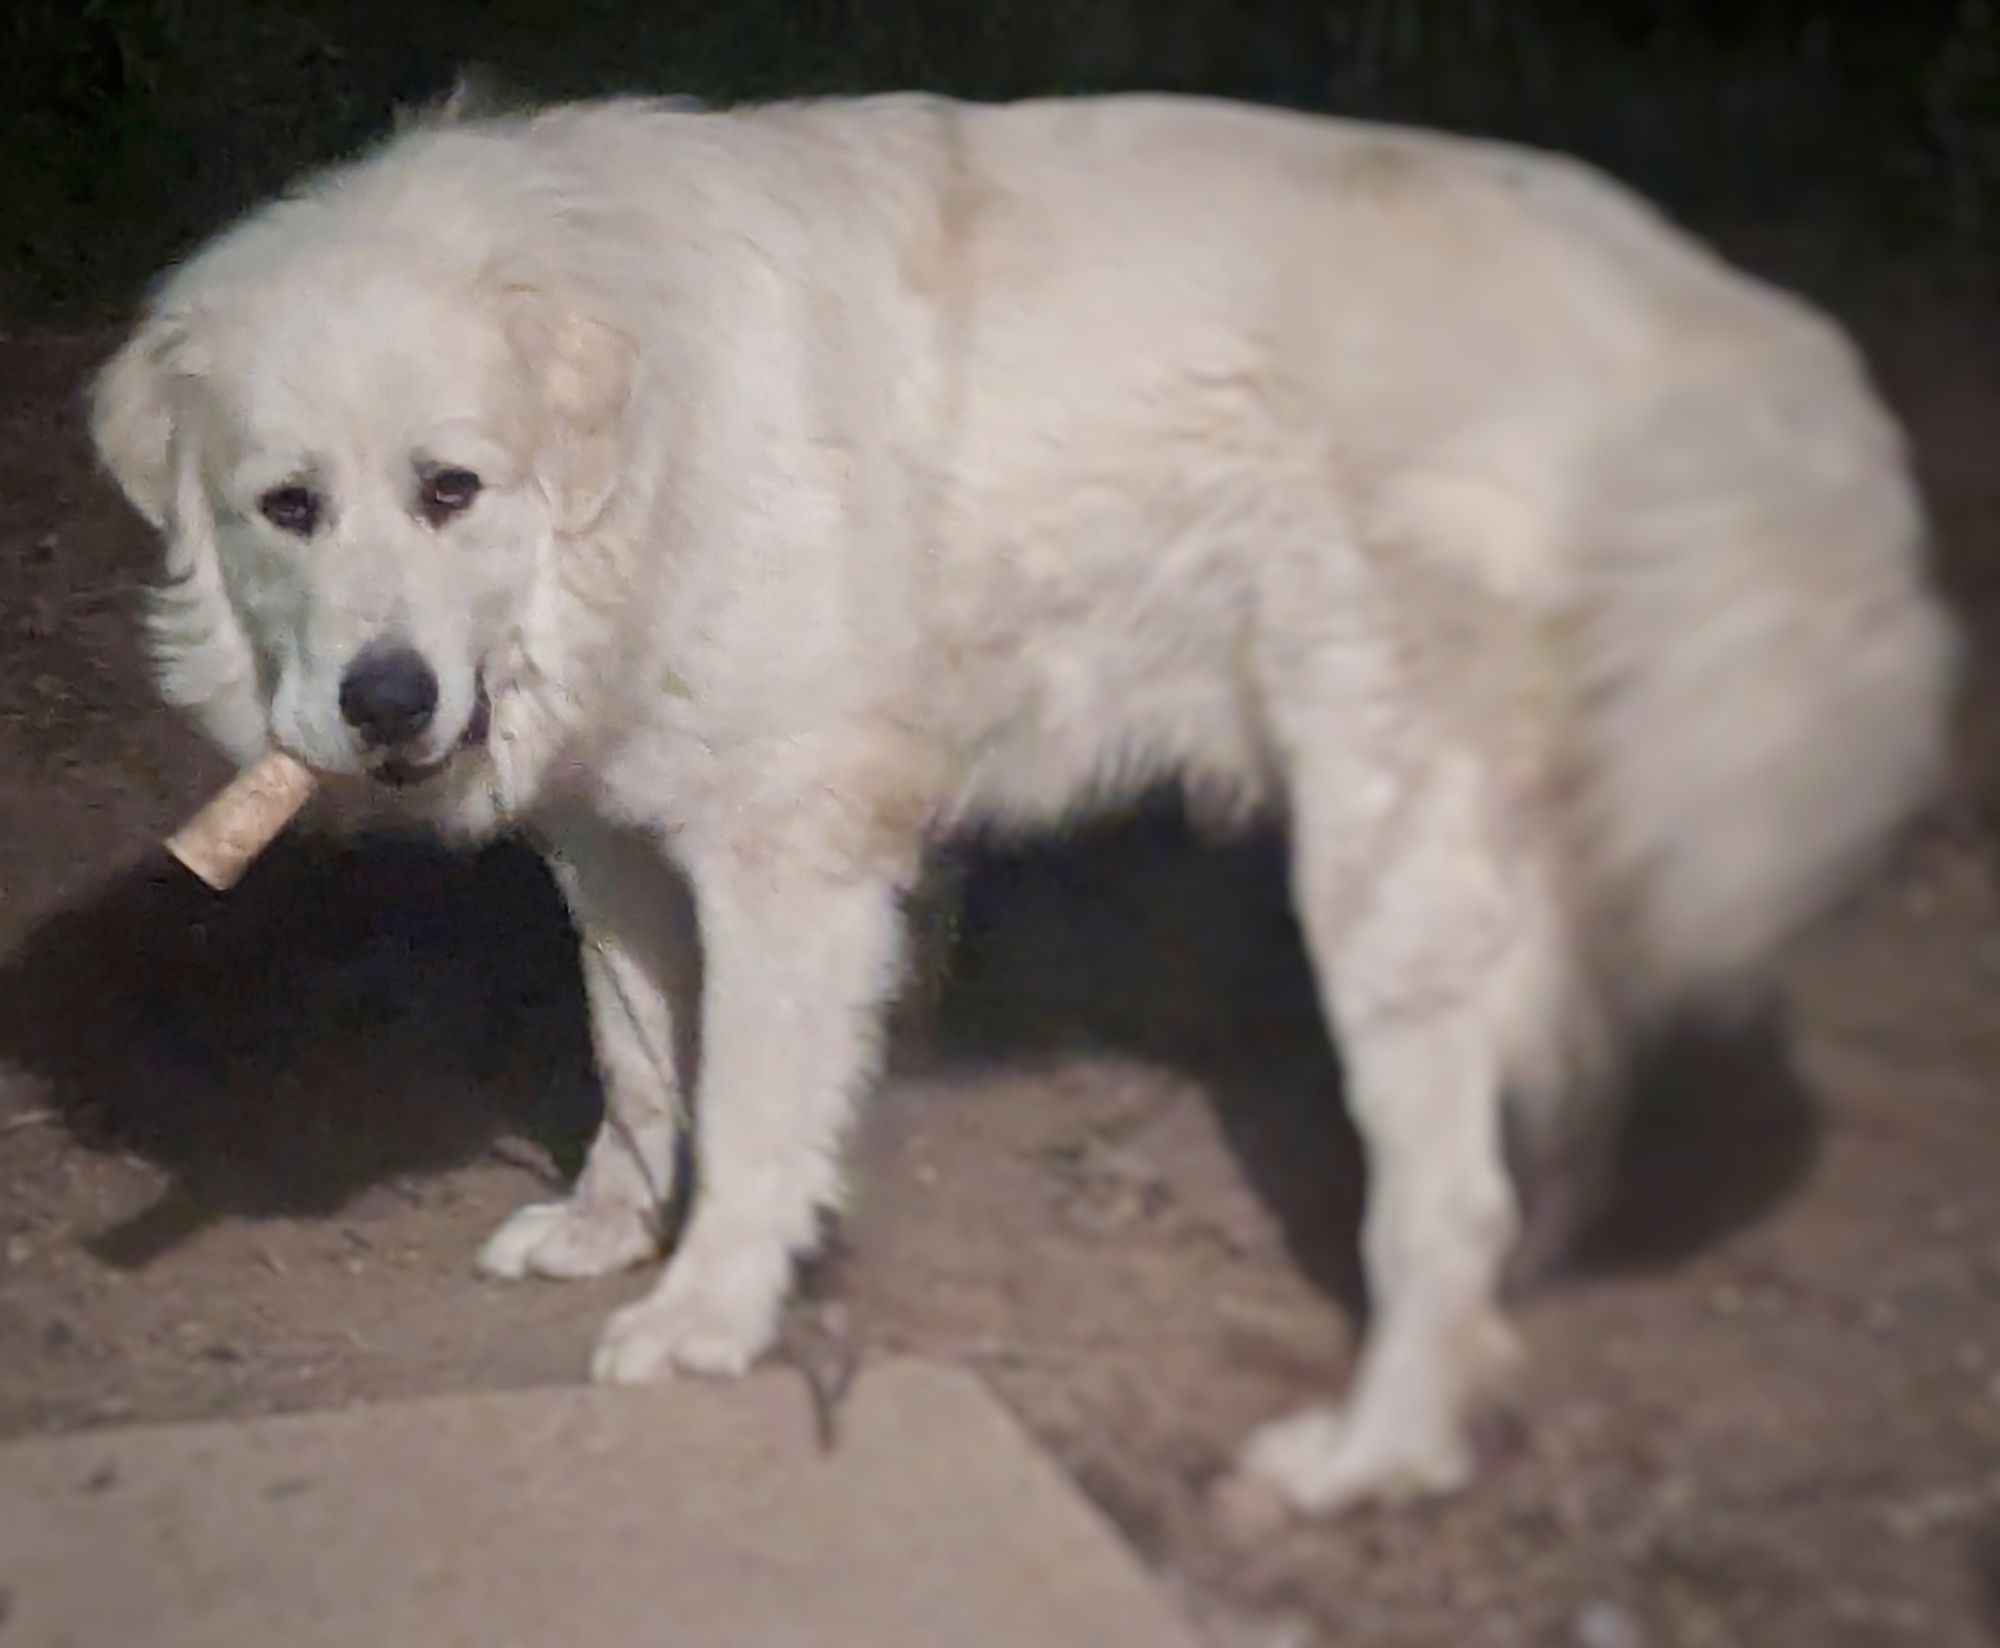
[[705, 1319], [569, 1240], [1321, 1462], [1406, 1433]]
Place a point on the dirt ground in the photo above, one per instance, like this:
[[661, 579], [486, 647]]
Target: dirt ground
[[248, 1146]]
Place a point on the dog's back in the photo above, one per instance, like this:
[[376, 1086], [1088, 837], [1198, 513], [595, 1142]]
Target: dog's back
[[1216, 384]]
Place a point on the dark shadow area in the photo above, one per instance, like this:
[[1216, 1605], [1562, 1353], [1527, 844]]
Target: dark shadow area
[[1984, 1556], [347, 1015], [1719, 1131], [351, 1014], [1140, 939], [1134, 937], [167, 119]]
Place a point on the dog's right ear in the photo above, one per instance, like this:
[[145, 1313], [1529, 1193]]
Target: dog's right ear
[[132, 418], [201, 658]]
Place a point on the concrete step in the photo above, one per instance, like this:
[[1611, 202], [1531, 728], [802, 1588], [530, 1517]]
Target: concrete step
[[695, 1515]]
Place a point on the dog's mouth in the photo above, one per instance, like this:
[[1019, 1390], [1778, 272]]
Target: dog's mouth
[[400, 773]]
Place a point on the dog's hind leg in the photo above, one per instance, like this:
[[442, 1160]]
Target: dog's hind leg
[[637, 927], [1410, 917]]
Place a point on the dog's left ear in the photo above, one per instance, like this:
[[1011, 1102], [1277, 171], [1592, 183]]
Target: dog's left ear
[[582, 370]]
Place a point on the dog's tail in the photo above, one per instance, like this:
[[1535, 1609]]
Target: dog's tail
[[1765, 675], [1762, 682]]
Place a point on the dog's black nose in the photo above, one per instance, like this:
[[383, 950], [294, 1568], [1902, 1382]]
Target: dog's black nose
[[388, 695]]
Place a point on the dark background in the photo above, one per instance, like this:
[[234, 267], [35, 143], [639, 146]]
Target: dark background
[[137, 125]]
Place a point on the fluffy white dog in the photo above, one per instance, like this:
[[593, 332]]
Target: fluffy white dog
[[762, 492]]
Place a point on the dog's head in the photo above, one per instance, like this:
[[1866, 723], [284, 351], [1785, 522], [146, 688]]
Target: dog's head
[[363, 435]]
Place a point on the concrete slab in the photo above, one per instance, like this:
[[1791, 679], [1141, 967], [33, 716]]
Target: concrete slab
[[693, 1515]]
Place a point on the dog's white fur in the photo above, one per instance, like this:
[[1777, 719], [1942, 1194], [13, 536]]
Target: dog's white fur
[[855, 470]]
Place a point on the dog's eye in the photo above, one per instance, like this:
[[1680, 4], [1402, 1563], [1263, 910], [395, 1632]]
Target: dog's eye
[[443, 493], [293, 509]]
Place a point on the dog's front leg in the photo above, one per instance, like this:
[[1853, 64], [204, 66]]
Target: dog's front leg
[[633, 916], [799, 953]]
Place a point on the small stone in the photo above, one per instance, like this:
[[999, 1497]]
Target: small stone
[[1934, 1509], [1245, 1512], [1675, 1495], [1606, 1624]]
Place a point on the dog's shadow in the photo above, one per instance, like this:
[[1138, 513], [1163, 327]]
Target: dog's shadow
[[1139, 938], [350, 1014], [356, 1013]]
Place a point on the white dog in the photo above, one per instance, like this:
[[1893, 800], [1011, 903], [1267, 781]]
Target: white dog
[[762, 492]]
